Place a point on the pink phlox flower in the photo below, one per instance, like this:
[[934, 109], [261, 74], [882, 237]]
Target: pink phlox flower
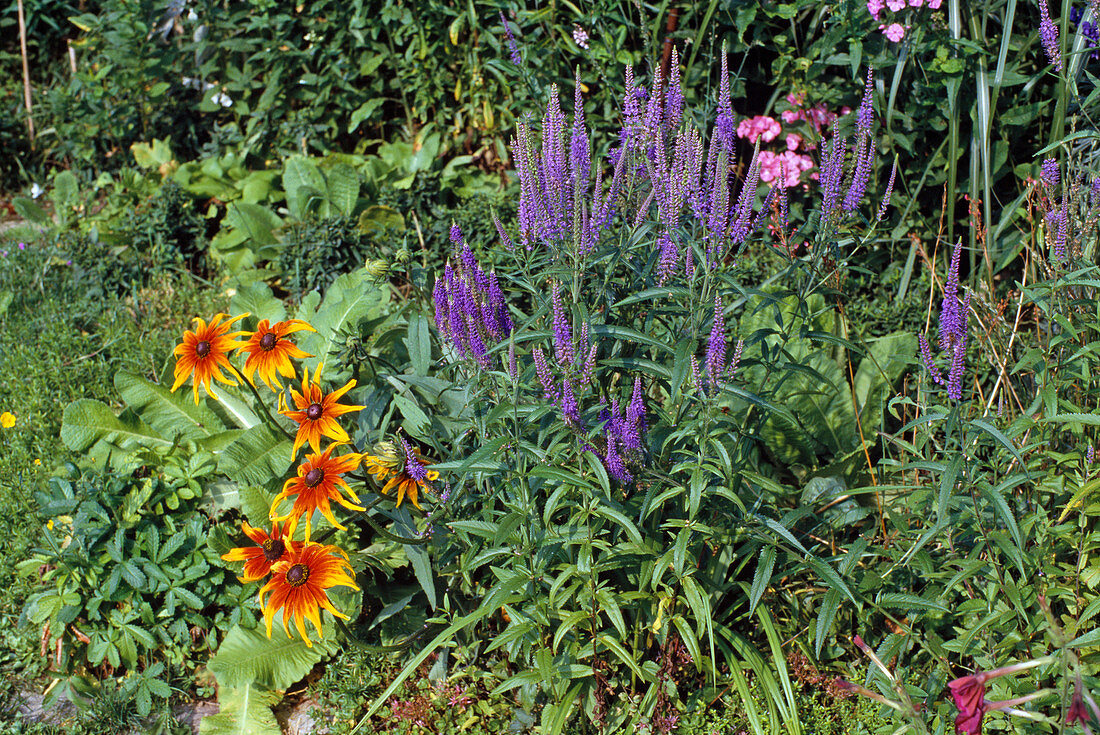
[[895, 5], [895, 31], [759, 127], [791, 116], [916, 3], [794, 140], [785, 167], [820, 116], [934, 4], [874, 7]]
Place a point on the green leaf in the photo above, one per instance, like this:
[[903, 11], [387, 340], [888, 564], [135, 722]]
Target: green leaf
[[343, 188], [170, 414], [419, 344], [351, 297], [422, 568], [762, 577], [257, 457], [256, 299], [244, 710], [825, 616], [623, 655], [29, 210], [899, 601], [248, 656], [86, 421], [302, 181]]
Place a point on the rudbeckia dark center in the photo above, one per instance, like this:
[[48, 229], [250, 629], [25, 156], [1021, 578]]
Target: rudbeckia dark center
[[273, 549], [314, 477], [314, 411], [267, 342], [297, 575], [202, 349]]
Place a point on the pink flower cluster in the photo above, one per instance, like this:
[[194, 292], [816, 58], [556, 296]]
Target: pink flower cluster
[[895, 31], [787, 166], [759, 127]]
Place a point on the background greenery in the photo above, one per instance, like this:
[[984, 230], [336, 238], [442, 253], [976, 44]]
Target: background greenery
[[252, 154]]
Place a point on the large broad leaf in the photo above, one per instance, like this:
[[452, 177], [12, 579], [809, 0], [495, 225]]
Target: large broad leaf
[[887, 358], [302, 182], [352, 297], [243, 711], [249, 656], [343, 189], [169, 414], [256, 299], [257, 457], [87, 421]]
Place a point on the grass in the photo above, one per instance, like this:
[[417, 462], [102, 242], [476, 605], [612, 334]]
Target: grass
[[57, 345]]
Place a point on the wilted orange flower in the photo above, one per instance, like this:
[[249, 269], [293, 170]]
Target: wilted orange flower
[[408, 474], [202, 354], [317, 483], [298, 585], [317, 412], [268, 549], [269, 353]]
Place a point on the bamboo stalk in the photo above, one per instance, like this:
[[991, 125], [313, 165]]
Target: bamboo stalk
[[26, 70]]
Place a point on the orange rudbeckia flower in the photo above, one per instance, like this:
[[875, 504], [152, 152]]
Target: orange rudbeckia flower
[[202, 354], [407, 474], [317, 483], [269, 549], [269, 353], [317, 412], [298, 585]]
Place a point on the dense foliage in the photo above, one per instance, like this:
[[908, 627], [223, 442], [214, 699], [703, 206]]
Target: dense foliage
[[761, 374]]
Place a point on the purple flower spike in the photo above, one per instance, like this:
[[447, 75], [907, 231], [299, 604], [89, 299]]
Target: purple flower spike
[[674, 95], [865, 117], [456, 235], [614, 463], [670, 257], [513, 47], [716, 346], [563, 331], [546, 378], [865, 158], [466, 257], [413, 468], [889, 190], [950, 321], [570, 411], [1048, 36], [589, 371], [958, 356], [1049, 173], [507, 241], [579, 156], [928, 360]]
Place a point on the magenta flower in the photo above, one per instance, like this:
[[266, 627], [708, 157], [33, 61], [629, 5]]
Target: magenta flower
[[895, 31], [874, 7], [969, 695], [895, 5]]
